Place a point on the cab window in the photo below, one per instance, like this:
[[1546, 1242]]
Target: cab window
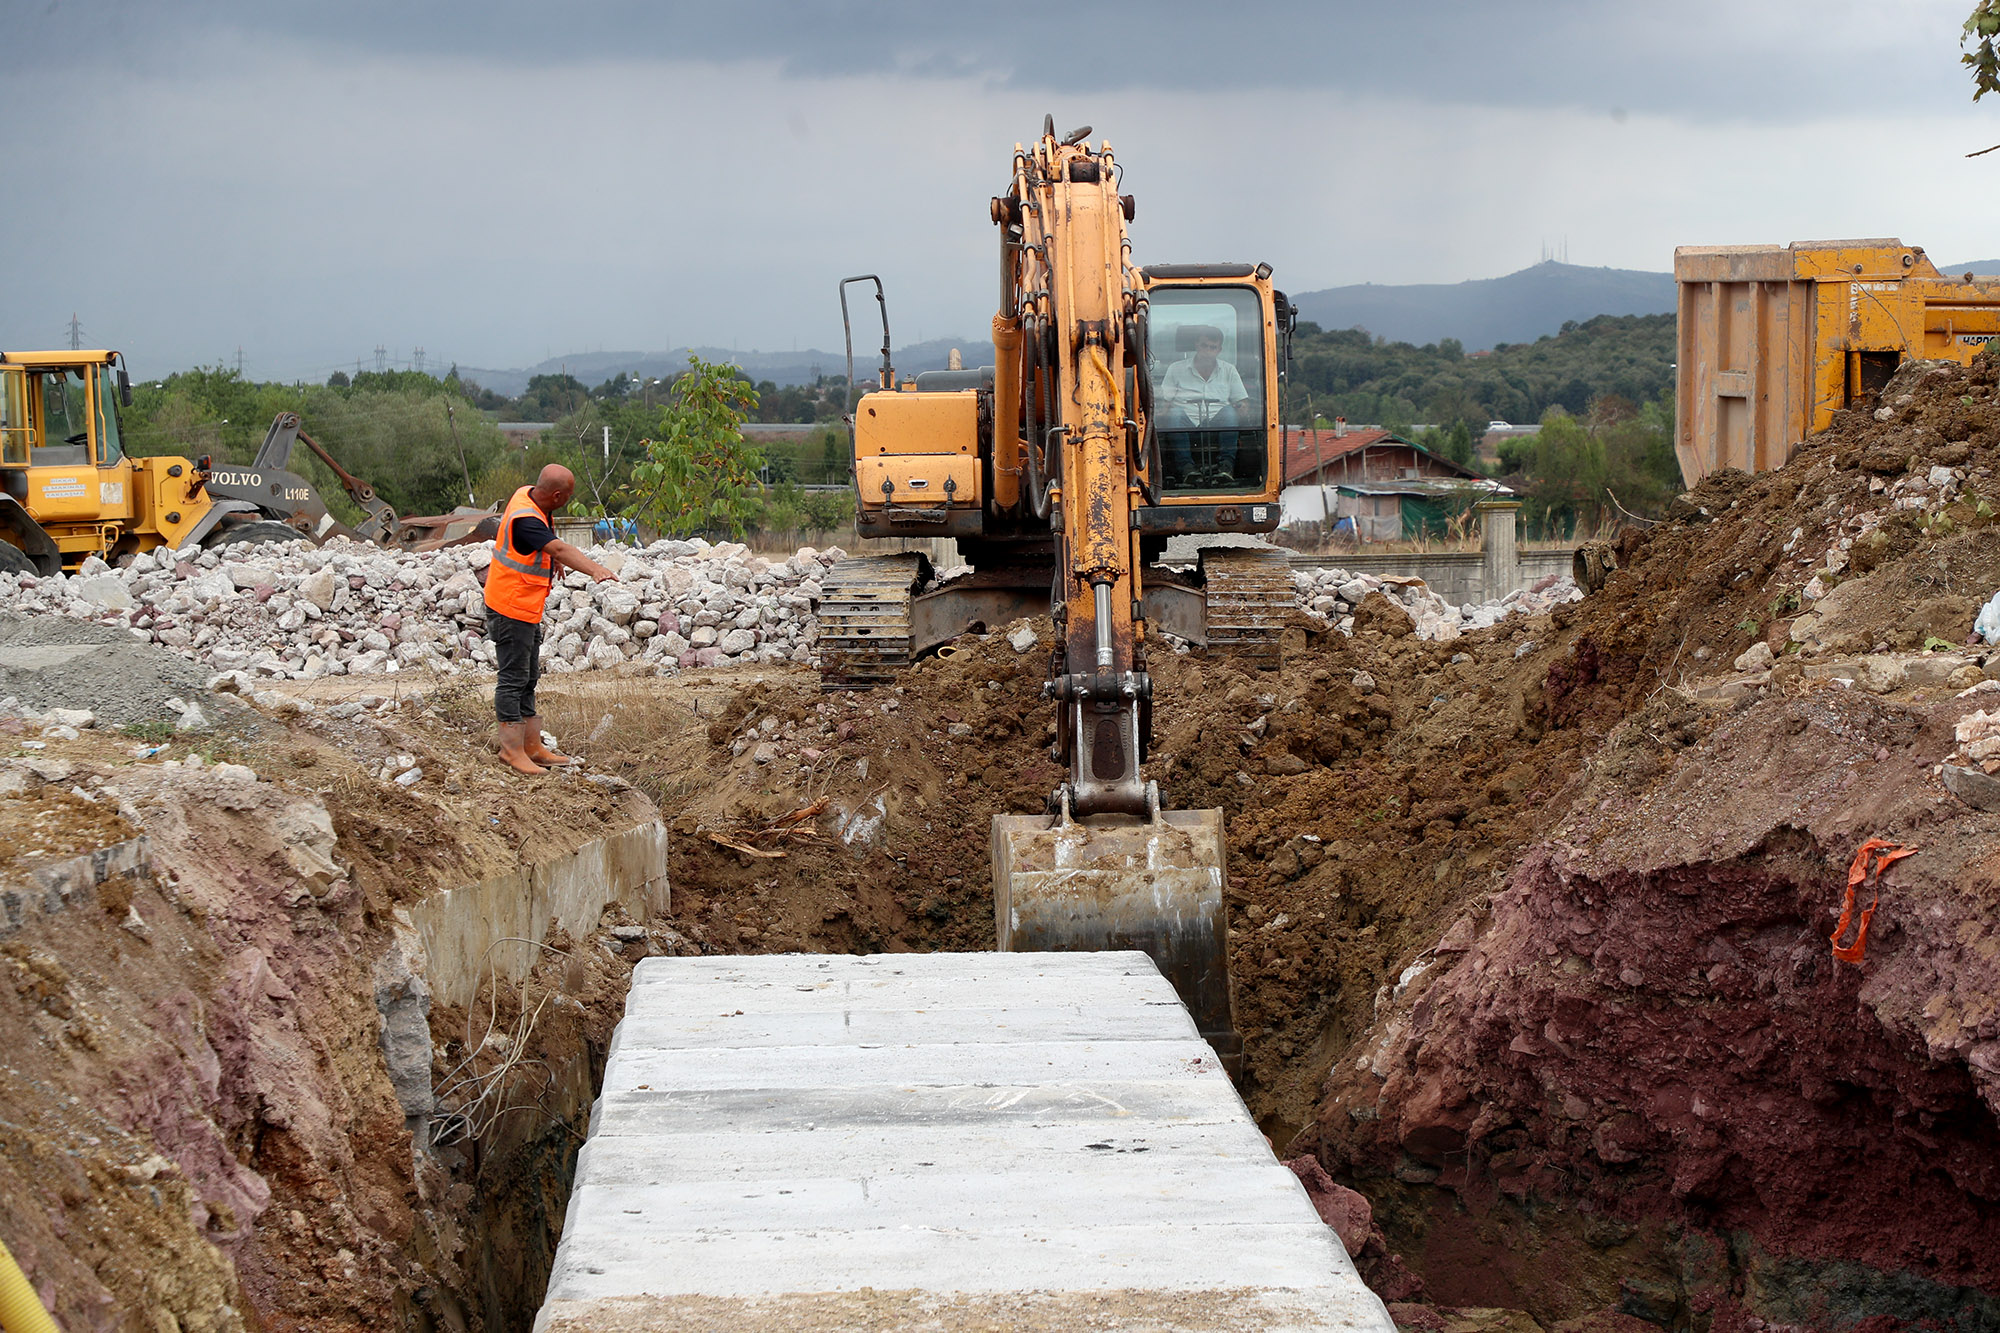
[[109, 449], [13, 418], [65, 440], [1206, 362]]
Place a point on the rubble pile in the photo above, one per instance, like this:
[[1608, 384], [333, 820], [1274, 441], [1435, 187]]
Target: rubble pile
[[1332, 595], [297, 612]]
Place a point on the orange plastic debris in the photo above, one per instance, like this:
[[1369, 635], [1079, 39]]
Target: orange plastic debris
[[1870, 860]]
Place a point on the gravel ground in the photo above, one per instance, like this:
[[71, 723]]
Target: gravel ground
[[54, 662]]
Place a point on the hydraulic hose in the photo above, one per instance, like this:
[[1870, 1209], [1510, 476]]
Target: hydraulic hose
[[20, 1309]]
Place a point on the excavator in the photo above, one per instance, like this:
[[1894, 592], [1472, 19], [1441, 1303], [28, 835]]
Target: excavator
[[68, 489], [1128, 406]]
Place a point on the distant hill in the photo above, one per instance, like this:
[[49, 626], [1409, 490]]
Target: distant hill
[[781, 368], [1520, 307], [1980, 266]]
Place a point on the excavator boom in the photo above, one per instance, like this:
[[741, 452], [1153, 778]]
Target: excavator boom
[[1107, 868]]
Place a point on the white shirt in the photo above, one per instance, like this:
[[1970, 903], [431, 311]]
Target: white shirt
[[1190, 400]]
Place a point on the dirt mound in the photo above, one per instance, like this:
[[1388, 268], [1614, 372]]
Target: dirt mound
[[1640, 1061]]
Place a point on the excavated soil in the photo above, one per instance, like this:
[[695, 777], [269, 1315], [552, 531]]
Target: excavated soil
[[1528, 935]]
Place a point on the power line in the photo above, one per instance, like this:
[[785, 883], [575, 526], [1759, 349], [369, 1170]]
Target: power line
[[75, 333]]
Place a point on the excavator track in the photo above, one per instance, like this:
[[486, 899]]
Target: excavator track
[[864, 619], [1250, 597]]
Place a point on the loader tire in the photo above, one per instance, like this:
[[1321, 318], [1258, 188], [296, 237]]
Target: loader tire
[[264, 532], [13, 560]]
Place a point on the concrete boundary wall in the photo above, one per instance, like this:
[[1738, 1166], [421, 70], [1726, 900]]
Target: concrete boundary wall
[[1488, 574], [465, 931]]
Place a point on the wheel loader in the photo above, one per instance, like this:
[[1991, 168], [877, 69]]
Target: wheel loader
[[69, 491], [1128, 406]]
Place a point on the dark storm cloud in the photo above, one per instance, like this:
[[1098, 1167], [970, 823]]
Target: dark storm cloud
[[1701, 59]]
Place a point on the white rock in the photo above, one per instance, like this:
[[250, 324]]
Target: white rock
[[192, 720], [1758, 657], [1023, 638], [106, 591]]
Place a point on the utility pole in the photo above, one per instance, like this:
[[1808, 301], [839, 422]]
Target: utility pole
[[418, 357], [451, 416], [381, 358], [75, 333], [239, 361], [607, 448]]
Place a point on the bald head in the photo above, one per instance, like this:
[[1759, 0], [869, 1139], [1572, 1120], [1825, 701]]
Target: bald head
[[554, 487]]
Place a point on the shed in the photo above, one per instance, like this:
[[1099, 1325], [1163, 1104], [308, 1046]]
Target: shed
[[1387, 486]]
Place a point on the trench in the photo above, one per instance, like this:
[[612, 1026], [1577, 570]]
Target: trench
[[503, 1213]]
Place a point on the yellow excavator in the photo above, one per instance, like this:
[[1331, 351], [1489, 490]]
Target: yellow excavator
[[1128, 406], [68, 489]]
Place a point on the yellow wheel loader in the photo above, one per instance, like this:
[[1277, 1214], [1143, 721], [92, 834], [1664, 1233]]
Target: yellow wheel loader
[[1128, 405], [69, 491]]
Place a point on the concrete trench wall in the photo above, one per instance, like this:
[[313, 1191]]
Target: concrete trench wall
[[447, 947], [465, 933]]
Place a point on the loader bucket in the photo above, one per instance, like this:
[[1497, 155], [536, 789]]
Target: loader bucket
[[1120, 882]]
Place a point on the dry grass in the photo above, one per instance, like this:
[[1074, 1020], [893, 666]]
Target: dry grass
[[631, 726]]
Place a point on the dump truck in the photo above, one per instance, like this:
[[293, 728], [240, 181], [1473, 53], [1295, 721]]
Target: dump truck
[[69, 491], [1127, 406], [1773, 340]]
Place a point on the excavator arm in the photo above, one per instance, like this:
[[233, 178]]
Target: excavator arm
[[1107, 867], [1079, 308]]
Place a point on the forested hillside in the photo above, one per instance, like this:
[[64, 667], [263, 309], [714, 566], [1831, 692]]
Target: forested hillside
[[1350, 373]]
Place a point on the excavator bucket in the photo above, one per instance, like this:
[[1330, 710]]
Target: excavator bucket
[[1123, 882]]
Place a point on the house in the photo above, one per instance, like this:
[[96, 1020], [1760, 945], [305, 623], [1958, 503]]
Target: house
[[1384, 486]]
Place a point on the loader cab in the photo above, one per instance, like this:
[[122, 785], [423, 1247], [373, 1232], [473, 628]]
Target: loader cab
[[60, 413], [70, 491]]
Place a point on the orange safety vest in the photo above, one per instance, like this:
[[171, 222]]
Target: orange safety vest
[[517, 582]]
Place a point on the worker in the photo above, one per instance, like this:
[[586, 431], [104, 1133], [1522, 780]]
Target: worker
[[1202, 392], [526, 555]]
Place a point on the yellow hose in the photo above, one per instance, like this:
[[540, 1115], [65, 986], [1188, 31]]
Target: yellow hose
[[20, 1309]]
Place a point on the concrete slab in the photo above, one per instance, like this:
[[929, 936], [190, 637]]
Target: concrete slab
[[942, 1141]]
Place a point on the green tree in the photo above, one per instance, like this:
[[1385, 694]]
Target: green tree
[[697, 474], [1588, 472], [1982, 29]]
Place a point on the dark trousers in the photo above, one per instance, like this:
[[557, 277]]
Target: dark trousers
[[519, 644]]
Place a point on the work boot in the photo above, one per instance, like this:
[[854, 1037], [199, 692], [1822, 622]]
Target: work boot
[[540, 753], [514, 750]]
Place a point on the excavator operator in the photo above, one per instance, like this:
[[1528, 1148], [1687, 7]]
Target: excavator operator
[[1202, 392], [526, 554]]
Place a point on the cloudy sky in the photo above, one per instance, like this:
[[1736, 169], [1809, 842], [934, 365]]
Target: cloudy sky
[[503, 181]]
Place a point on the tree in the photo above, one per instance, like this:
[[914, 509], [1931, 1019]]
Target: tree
[[1982, 29], [698, 475], [337, 380]]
